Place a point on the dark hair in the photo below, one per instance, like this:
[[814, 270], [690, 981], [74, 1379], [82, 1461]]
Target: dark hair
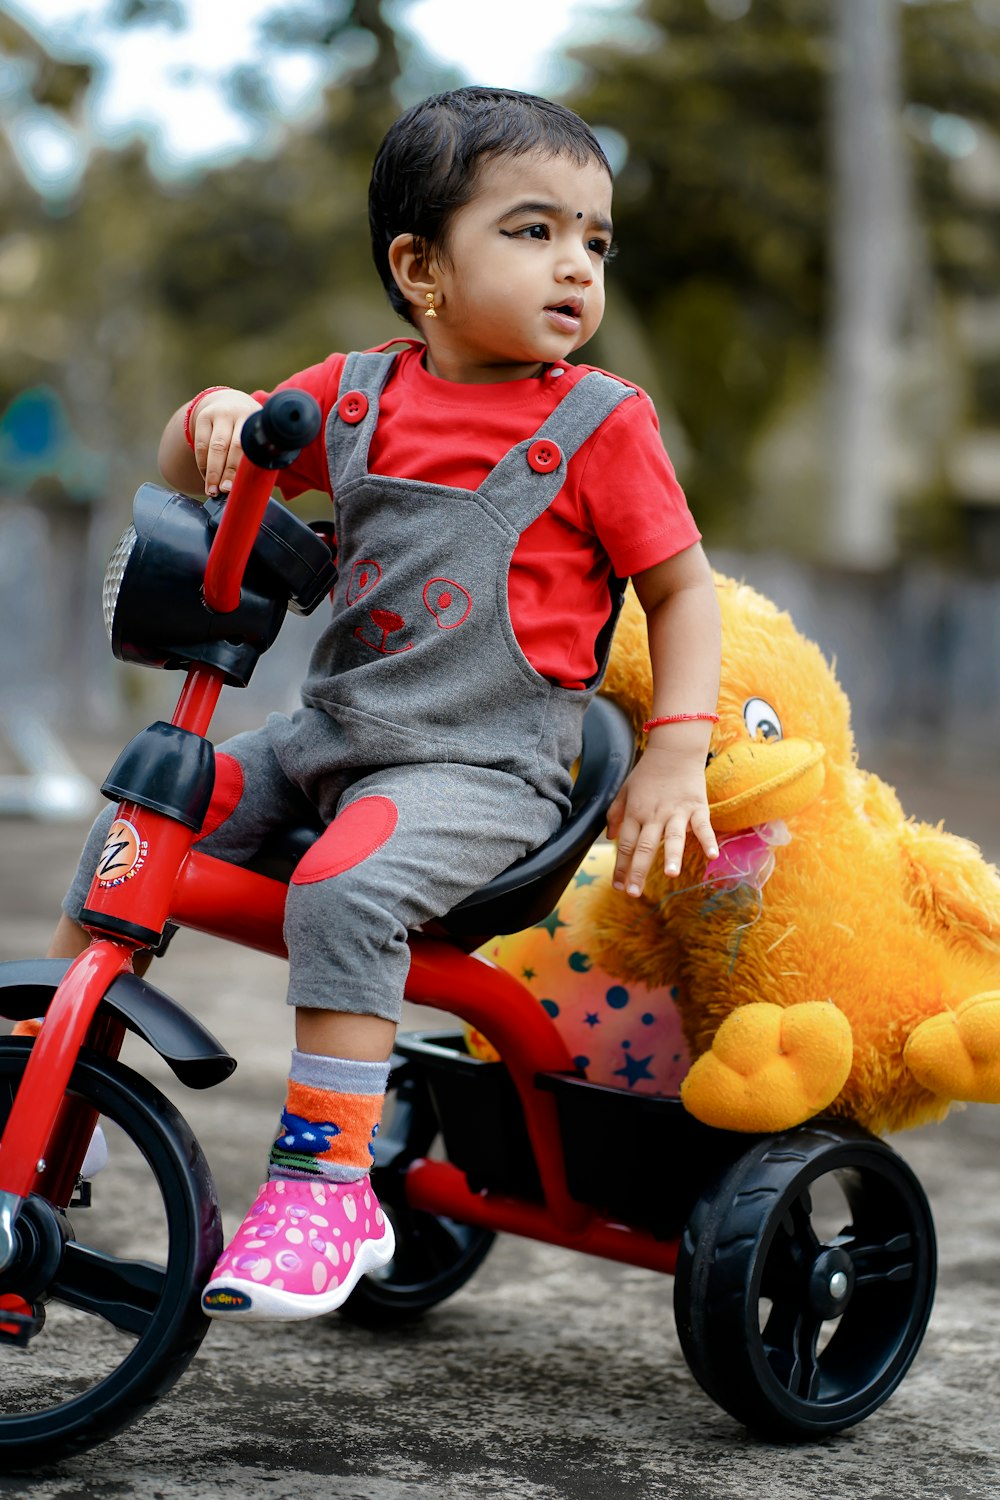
[[428, 165]]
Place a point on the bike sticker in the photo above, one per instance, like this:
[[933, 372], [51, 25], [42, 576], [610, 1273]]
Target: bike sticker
[[123, 855]]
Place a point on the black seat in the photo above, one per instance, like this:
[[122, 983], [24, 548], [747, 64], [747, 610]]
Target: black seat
[[527, 891]]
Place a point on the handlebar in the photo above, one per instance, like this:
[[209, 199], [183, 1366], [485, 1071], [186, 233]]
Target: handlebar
[[272, 438]]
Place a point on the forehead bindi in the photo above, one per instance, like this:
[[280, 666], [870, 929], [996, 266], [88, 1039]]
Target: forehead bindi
[[577, 190]]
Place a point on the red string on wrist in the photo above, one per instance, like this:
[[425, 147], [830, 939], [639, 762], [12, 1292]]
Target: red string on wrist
[[189, 413], [678, 719]]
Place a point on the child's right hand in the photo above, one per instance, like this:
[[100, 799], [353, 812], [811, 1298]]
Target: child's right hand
[[216, 424]]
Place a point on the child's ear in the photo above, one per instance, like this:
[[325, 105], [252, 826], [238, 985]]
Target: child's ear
[[410, 270]]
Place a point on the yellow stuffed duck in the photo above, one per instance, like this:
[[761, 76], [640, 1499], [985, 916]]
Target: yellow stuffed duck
[[837, 957]]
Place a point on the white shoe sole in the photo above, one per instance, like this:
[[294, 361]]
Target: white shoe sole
[[233, 1297]]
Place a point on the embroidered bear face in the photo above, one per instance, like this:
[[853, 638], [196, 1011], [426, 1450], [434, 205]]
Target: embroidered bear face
[[385, 631]]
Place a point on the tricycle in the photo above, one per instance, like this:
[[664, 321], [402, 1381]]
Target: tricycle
[[803, 1262]]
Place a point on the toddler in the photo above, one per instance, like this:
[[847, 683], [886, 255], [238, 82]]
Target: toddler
[[488, 499]]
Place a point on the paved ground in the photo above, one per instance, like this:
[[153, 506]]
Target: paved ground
[[550, 1377]]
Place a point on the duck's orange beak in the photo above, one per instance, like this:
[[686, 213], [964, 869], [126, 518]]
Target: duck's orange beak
[[756, 781]]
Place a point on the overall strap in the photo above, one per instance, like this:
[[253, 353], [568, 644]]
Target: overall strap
[[352, 421], [527, 479]]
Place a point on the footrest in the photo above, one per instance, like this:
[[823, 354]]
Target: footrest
[[19, 1321]]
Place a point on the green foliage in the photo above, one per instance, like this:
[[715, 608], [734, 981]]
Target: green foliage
[[721, 213], [139, 292], [136, 292], [724, 205], [52, 82]]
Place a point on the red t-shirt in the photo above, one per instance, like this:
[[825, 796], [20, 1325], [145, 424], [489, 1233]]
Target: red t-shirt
[[621, 507]]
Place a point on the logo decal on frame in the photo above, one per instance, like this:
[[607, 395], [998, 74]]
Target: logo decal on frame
[[123, 855]]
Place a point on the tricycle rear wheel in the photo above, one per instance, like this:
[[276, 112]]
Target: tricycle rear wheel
[[805, 1281], [434, 1256]]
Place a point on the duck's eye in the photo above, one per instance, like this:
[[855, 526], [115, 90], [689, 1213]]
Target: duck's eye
[[761, 720]]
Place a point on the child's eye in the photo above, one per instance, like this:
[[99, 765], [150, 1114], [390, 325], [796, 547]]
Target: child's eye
[[604, 248], [529, 232]]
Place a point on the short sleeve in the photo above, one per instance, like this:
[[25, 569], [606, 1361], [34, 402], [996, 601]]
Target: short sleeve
[[636, 505], [310, 470]]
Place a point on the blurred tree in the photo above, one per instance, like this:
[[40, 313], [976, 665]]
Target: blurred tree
[[126, 293], [868, 273], [135, 292], [265, 265], [33, 77], [36, 90], [720, 209], [723, 209]]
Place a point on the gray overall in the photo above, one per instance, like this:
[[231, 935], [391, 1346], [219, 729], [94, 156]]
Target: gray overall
[[421, 713]]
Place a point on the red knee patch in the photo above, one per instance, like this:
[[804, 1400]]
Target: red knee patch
[[226, 793], [354, 834]]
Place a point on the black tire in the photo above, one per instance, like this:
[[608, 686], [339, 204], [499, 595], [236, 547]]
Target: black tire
[[805, 1281], [434, 1256], [84, 1377]]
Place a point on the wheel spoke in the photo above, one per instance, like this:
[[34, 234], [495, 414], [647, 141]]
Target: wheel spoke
[[792, 1251], [789, 1339], [125, 1293], [880, 1261], [803, 1236], [782, 1271]]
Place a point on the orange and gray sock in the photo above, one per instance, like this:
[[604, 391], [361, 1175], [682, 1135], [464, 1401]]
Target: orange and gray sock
[[330, 1119]]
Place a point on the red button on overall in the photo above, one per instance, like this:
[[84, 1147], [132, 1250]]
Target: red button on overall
[[353, 406], [544, 456]]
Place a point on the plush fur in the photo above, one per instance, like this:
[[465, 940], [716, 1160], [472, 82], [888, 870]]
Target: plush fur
[[839, 957]]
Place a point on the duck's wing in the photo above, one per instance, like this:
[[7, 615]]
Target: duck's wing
[[951, 885]]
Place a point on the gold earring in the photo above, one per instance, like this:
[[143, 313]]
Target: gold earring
[[431, 310]]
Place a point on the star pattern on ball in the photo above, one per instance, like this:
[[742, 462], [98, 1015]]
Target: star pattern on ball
[[634, 1069], [552, 922]]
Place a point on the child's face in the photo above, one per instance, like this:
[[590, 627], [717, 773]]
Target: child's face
[[521, 279]]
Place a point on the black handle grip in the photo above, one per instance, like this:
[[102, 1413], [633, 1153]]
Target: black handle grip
[[273, 437]]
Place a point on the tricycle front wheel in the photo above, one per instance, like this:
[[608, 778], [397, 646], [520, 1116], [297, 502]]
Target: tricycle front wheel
[[805, 1281], [102, 1302]]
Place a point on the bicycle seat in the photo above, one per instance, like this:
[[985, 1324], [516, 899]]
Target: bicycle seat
[[528, 890]]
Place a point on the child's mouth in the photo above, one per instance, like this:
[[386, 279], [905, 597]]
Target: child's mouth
[[566, 315]]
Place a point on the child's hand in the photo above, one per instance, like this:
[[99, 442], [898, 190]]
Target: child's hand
[[661, 799], [216, 424]]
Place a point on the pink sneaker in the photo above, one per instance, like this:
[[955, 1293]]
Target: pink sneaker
[[300, 1251]]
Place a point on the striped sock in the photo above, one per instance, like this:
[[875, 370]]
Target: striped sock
[[331, 1116]]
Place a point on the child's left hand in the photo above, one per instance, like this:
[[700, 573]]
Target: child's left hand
[[662, 798]]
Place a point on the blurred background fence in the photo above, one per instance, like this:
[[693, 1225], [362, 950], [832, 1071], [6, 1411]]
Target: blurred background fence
[[807, 207]]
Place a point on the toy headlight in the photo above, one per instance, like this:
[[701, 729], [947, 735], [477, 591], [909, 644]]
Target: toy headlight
[[154, 609], [114, 573]]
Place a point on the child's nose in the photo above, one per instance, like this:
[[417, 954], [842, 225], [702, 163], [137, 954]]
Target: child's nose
[[577, 266]]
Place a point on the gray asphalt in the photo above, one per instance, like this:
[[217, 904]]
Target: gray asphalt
[[550, 1376]]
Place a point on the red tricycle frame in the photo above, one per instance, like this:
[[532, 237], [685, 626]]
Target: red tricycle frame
[[684, 1193]]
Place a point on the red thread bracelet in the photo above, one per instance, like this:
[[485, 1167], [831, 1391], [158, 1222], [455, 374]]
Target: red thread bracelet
[[678, 719], [188, 435]]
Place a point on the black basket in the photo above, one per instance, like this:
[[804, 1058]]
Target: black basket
[[635, 1157], [479, 1112], [640, 1158]]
